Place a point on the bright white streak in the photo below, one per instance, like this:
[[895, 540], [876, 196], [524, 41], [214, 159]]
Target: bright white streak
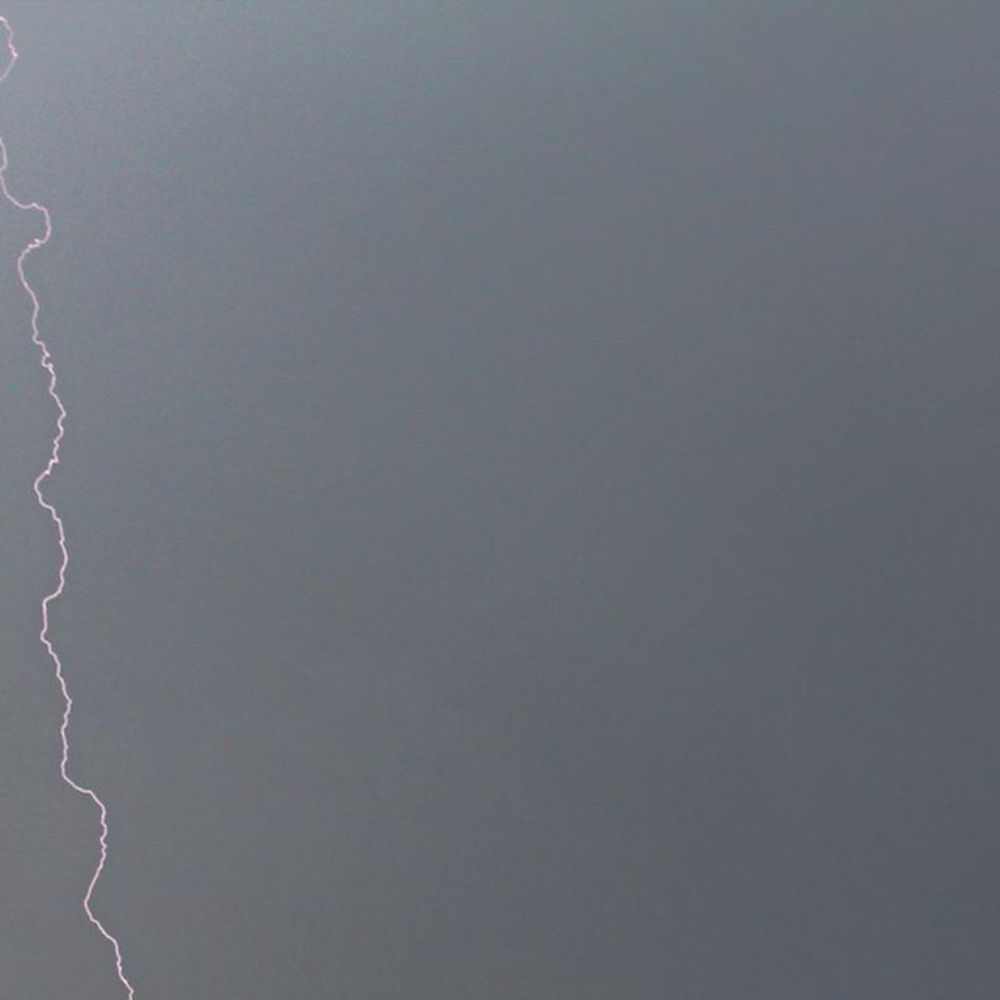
[[45, 358]]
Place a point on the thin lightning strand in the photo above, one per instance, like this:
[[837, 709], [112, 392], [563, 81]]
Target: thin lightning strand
[[45, 358]]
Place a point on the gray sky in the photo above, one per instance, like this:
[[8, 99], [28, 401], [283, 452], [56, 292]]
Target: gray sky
[[532, 492]]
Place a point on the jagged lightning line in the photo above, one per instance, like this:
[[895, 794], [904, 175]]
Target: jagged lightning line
[[45, 358]]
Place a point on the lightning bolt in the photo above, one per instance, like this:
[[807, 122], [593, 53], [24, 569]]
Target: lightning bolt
[[45, 358]]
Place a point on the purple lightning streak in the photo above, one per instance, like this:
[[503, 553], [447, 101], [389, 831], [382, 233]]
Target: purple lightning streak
[[45, 358]]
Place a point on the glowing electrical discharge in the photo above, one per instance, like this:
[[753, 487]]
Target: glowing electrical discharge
[[45, 358]]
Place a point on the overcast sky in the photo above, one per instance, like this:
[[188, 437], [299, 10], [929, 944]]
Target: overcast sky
[[532, 491]]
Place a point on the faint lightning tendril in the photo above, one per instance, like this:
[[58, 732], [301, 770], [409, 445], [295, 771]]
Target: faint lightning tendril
[[45, 358]]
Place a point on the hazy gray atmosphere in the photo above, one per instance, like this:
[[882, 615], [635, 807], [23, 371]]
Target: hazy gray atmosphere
[[532, 491]]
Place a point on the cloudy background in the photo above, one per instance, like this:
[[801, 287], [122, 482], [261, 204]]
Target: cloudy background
[[532, 484]]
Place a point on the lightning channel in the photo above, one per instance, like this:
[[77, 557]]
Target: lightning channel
[[45, 359]]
